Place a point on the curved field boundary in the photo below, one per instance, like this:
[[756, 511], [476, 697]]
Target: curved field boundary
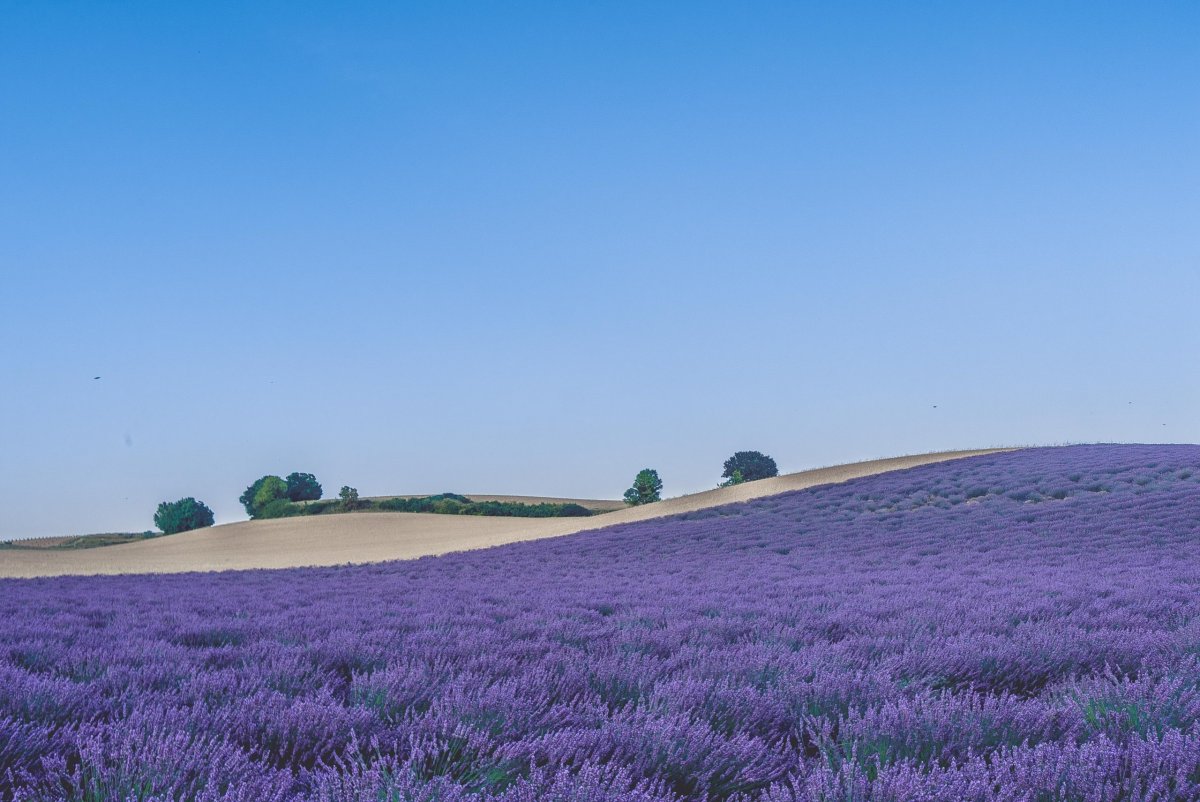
[[381, 536]]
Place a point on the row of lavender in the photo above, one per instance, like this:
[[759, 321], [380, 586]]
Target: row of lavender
[[1011, 627]]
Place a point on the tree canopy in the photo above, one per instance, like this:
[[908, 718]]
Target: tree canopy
[[182, 516], [349, 497], [646, 488], [303, 487], [750, 465], [264, 490]]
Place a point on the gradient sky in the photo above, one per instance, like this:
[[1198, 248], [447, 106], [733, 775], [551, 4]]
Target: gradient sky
[[532, 248]]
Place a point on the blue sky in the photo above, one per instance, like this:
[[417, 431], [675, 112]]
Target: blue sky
[[536, 247]]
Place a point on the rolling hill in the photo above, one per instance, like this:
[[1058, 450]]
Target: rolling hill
[[1013, 626], [380, 536]]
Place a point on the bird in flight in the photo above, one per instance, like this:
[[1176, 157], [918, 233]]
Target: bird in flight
[[94, 378]]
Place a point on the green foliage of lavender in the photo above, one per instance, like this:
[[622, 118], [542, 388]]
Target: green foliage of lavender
[[1020, 626]]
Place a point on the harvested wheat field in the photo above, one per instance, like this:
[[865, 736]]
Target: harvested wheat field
[[380, 536]]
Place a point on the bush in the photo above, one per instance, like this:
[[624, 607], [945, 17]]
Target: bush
[[182, 516], [406, 505], [279, 508], [303, 487], [751, 465], [454, 504], [646, 488]]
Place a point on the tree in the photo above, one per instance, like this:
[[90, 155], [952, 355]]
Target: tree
[[182, 516], [751, 464], [272, 489], [246, 499], [735, 479], [646, 488], [303, 487], [261, 493], [349, 497]]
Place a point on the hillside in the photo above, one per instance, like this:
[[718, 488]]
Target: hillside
[[379, 536], [1016, 626]]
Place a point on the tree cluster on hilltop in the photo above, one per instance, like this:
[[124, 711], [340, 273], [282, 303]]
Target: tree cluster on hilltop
[[743, 466], [273, 496]]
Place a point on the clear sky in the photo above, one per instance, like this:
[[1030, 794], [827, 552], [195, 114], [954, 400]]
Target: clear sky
[[533, 248]]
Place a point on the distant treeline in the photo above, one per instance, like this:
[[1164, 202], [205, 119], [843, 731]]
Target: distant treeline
[[274, 496], [79, 541], [442, 504]]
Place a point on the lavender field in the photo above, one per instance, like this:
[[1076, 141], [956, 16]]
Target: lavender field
[[1020, 626]]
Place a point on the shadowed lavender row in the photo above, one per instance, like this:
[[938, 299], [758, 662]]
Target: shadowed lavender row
[[1010, 627]]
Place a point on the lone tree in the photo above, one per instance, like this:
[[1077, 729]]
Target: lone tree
[[303, 487], [349, 497], [261, 493], [646, 488], [749, 465], [182, 516]]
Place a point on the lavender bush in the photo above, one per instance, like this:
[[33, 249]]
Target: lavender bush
[[1021, 626]]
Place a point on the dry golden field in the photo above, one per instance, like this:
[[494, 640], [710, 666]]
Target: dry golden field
[[378, 536]]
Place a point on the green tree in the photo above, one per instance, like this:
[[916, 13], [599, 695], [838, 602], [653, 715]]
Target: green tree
[[303, 487], [272, 489], [182, 516], [646, 488], [736, 479], [247, 497], [264, 490], [751, 465], [349, 497], [449, 506]]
